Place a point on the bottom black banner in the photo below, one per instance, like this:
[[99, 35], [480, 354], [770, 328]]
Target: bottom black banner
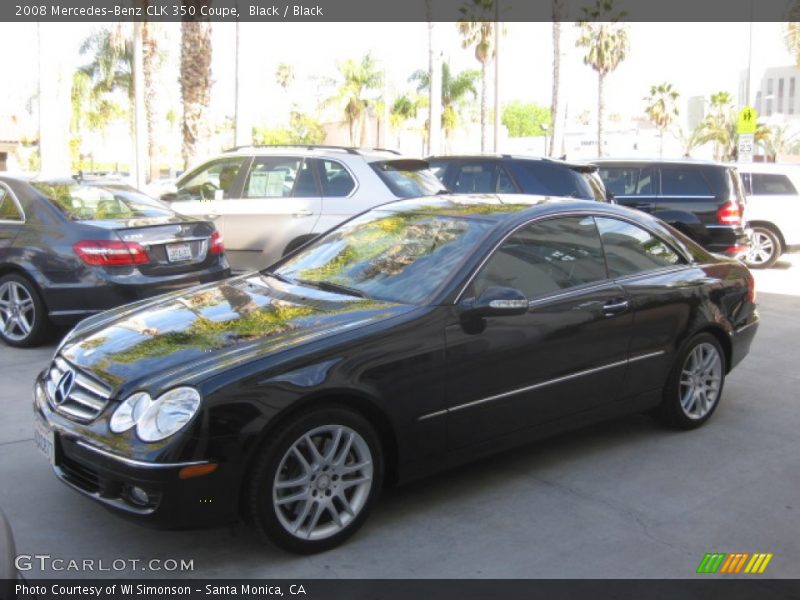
[[394, 589]]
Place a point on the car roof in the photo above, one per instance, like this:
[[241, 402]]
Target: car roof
[[369, 154], [570, 164], [494, 207], [660, 161], [759, 167]]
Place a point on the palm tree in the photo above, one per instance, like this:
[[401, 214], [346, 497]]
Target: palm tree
[[781, 141], [606, 42], [555, 104], [152, 60], [457, 91], [195, 82], [357, 80], [662, 108], [720, 127], [792, 35], [405, 108], [480, 33]]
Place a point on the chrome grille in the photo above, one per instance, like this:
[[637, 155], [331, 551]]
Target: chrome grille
[[79, 396]]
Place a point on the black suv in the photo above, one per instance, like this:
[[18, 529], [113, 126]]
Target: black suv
[[506, 174], [703, 200]]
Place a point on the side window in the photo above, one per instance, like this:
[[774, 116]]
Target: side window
[[475, 178], [8, 208], [546, 257], [439, 168], [772, 185], [211, 181], [279, 177], [336, 180], [630, 249], [683, 182], [504, 183], [630, 181]]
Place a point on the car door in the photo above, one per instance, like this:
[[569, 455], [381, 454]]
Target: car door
[[12, 219], [634, 186], [338, 186], [205, 191], [564, 356], [772, 197], [661, 286], [280, 202]]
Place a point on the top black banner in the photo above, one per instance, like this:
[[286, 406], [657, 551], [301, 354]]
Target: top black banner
[[393, 10]]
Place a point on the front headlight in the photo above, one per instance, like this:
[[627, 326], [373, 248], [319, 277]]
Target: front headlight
[[157, 419]]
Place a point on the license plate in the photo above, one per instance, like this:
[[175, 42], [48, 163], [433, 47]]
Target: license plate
[[45, 440], [179, 252]]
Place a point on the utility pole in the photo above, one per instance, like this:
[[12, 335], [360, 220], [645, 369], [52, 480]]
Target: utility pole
[[497, 32]]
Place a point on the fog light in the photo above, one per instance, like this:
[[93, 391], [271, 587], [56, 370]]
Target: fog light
[[139, 496]]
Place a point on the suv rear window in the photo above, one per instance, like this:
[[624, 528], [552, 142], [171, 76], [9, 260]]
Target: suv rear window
[[550, 179], [82, 202], [767, 184], [408, 178]]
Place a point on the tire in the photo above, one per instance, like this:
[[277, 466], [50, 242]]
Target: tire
[[335, 484], [694, 389], [23, 317], [765, 248]]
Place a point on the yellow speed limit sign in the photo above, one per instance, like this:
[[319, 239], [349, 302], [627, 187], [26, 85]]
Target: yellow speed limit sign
[[746, 123]]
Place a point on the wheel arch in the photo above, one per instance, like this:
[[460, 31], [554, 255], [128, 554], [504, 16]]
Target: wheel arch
[[13, 269], [723, 339]]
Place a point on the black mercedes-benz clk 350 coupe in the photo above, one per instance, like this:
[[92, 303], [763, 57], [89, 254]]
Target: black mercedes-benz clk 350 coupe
[[418, 335]]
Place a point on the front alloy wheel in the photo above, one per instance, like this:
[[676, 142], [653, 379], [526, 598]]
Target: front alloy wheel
[[314, 485], [765, 249]]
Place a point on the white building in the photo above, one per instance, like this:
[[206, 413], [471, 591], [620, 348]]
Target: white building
[[777, 96]]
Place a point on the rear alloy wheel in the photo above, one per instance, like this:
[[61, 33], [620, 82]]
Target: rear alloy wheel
[[695, 383], [313, 487], [23, 322], [765, 249]]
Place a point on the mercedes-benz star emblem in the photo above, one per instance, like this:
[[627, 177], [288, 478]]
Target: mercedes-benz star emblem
[[64, 387]]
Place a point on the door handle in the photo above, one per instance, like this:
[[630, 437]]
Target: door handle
[[302, 213], [615, 307]]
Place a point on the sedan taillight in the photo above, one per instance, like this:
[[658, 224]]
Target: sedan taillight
[[216, 246], [107, 253], [729, 214]]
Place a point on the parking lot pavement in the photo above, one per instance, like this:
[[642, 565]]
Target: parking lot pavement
[[623, 499]]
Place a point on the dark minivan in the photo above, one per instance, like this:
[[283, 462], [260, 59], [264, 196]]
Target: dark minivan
[[703, 200], [70, 248]]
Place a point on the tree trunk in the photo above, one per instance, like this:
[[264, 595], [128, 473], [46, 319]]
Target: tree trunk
[[151, 60], [484, 106], [556, 134], [600, 110], [195, 85]]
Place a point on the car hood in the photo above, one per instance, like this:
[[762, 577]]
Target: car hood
[[191, 332]]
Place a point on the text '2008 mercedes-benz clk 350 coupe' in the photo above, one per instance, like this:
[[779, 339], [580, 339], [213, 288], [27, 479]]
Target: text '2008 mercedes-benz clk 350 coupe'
[[415, 336]]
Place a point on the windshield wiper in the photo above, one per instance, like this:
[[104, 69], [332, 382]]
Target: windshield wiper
[[332, 287]]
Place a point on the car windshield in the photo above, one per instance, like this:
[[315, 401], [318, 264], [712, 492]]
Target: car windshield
[[393, 256], [82, 202], [408, 178]]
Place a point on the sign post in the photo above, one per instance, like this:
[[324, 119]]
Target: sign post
[[746, 128]]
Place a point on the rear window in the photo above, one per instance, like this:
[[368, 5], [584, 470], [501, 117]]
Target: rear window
[[768, 184], [408, 178], [550, 179], [81, 202]]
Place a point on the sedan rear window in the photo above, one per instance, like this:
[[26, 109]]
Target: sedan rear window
[[408, 178], [82, 202]]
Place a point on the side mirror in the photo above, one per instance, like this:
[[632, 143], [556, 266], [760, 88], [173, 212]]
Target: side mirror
[[610, 198], [168, 197], [496, 302]]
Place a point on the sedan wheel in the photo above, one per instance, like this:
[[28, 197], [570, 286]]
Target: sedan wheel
[[314, 487], [765, 249], [694, 387], [22, 318]]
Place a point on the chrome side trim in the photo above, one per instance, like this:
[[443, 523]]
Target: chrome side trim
[[536, 386], [139, 463]]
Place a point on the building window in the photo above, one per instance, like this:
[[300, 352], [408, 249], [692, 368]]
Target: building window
[[780, 95], [791, 96], [769, 97]]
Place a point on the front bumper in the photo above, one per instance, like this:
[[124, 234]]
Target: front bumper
[[110, 478]]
